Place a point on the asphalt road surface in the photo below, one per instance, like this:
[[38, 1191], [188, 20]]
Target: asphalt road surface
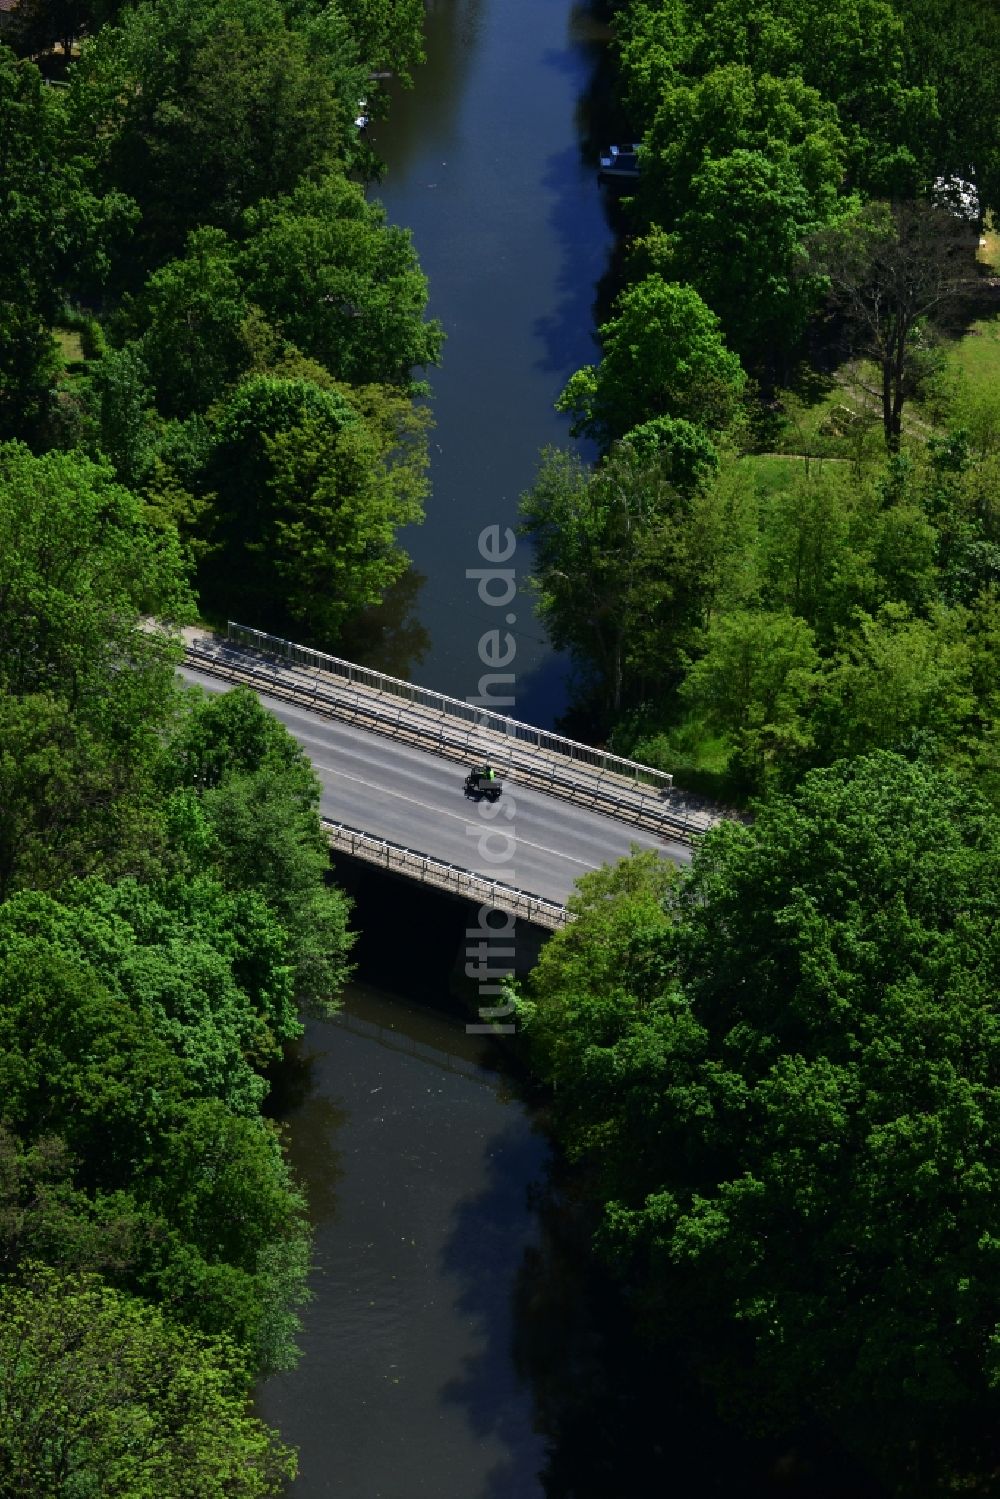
[[527, 839]]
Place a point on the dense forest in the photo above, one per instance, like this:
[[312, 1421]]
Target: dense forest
[[237, 340], [207, 339], [776, 1074]]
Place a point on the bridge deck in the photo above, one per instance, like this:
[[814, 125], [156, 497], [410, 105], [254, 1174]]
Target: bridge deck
[[397, 791]]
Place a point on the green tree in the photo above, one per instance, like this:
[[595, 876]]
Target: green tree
[[740, 169], [202, 109], [192, 327], [958, 60], [259, 798], [739, 244], [84, 690], [341, 284], [895, 677], [705, 119], [55, 231], [79, 566], [211, 970], [852, 53], [70, 806], [891, 268], [389, 33], [311, 486], [754, 682], [586, 998], [101, 1394], [663, 355], [124, 419], [655, 39], [819, 535], [615, 571], [213, 1226], [783, 1094]]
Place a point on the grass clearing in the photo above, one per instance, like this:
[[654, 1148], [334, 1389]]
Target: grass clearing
[[989, 248], [70, 346], [697, 756], [976, 355]]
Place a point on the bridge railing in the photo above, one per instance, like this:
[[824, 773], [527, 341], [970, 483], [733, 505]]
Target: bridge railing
[[451, 707], [438, 872]]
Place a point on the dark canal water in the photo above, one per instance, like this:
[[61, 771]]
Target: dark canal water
[[489, 163], [423, 1170], [417, 1162]]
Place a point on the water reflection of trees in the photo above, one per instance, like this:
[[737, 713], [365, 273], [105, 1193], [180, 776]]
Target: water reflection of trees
[[618, 1418], [312, 1123], [626, 1417], [389, 636], [429, 113]]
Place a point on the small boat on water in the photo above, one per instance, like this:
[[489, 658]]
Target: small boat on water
[[620, 161]]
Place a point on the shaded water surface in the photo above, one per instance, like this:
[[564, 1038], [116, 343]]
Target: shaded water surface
[[488, 163], [461, 1344], [418, 1167]]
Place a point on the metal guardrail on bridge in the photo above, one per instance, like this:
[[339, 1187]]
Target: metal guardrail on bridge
[[451, 877], [526, 756], [449, 707]]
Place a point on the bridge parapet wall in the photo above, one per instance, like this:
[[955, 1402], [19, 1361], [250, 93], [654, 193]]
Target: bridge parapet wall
[[441, 705]]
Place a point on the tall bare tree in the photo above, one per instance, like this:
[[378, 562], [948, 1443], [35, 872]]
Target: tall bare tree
[[891, 269]]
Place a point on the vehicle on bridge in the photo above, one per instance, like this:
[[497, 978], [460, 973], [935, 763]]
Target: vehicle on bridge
[[484, 781]]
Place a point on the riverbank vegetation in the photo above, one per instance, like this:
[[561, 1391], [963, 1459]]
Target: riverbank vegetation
[[777, 1077], [164, 914], [788, 551], [775, 1073], [207, 338], [185, 202]]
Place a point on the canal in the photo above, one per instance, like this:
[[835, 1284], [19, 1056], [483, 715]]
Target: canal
[[461, 1343], [490, 165], [417, 1162], [422, 1167]]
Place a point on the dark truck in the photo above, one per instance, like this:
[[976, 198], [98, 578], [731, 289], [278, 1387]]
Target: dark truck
[[484, 781]]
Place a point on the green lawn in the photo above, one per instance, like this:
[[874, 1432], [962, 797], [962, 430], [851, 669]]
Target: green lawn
[[977, 355], [69, 345], [989, 252], [973, 361]]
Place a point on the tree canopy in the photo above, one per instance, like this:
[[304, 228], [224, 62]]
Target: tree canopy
[[57, 227], [340, 283], [663, 355], [255, 101], [102, 1394], [781, 1076], [165, 913]]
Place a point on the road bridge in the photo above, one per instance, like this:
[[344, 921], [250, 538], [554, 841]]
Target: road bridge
[[391, 761]]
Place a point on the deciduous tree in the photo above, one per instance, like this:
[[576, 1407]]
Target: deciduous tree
[[340, 283], [312, 485], [615, 571], [663, 355], [102, 1394], [782, 1084], [891, 268]]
